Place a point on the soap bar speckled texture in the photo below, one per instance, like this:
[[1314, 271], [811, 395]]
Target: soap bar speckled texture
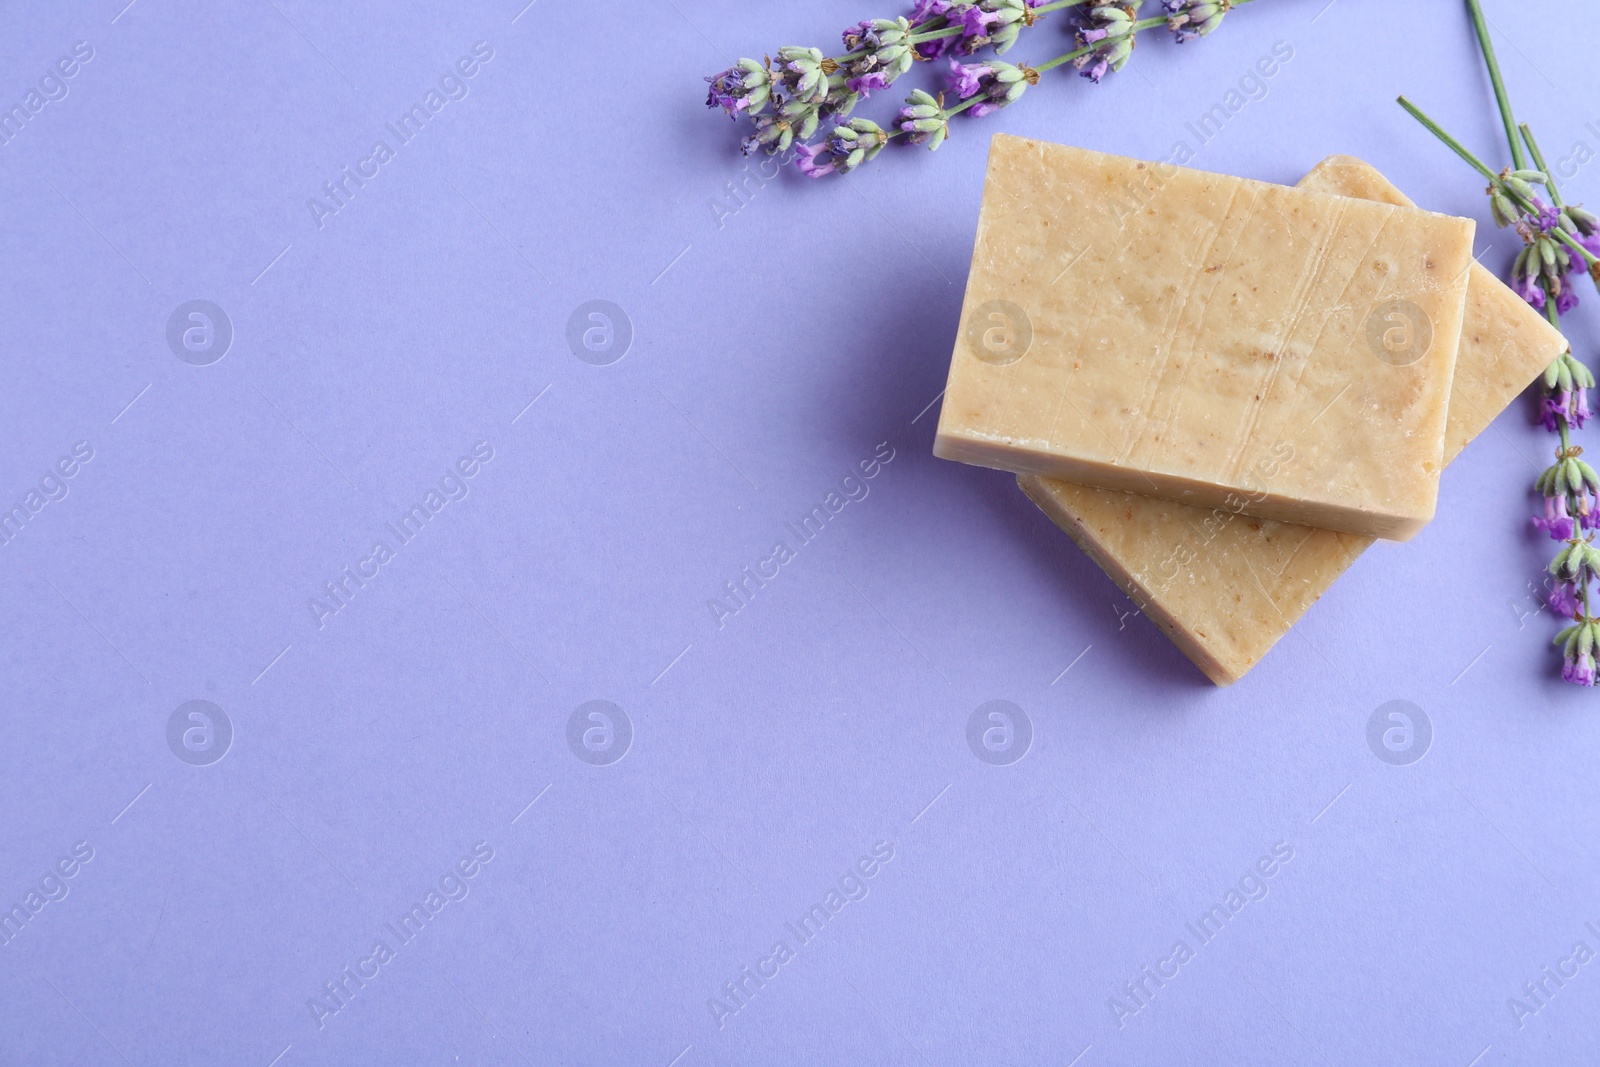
[[1207, 339], [1224, 586]]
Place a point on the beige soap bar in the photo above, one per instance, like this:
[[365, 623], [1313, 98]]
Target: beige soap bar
[[1207, 339], [1224, 586]]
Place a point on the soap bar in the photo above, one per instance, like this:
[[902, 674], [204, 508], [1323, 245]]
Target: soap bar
[[1207, 339], [1225, 586]]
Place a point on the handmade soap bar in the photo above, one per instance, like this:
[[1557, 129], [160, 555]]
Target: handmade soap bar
[[1224, 586], [1207, 339]]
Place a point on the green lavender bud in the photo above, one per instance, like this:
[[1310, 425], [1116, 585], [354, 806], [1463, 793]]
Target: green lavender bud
[[1567, 634], [1519, 268], [1590, 478], [1501, 209], [891, 31], [1586, 222], [1531, 176], [1552, 373], [1518, 186], [1581, 375]]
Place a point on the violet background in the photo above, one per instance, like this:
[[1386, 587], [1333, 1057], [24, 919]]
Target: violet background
[[773, 349]]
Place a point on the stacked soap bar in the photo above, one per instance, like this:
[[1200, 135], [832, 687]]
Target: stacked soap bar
[[1207, 339], [1225, 583]]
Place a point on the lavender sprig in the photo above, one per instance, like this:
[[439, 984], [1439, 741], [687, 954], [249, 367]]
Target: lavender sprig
[[1559, 239], [985, 87], [789, 99]]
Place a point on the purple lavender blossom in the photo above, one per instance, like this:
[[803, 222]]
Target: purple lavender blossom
[[855, 35], [923, 120], [1556, 522], [973, 20], [1188, 19], [743, 88], [1579, 670], [966, 79], [868, 82], [1563, 599], [806, 159], [1530, 290], [997, 83], [1552, 409], [1107, 32]]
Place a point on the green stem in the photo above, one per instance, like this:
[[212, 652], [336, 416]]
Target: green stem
[[1461, 150], [1454, 145], [951, 31], [1481, 27], [1538, 161], [1136, 28]]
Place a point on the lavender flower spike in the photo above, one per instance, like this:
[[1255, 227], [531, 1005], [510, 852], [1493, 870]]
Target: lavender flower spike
[[923, 118], [1577, 648], [1108, 33], [855, 144], [1011, 18], [743, 88], [1188, 19], [998, 83]]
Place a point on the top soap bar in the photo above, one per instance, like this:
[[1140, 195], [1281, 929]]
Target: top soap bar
[[1207, 339]]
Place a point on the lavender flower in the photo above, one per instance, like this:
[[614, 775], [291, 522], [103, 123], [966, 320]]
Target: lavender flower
[[1563, 599], [1556, 522], [967, 79], [772, 133], [846, 148], [867, 82], [744, 87], [1188, 19], [997, 83], [1570, 381], [1108, 33], [855, 144], [1568, 485], [1579, 669], [805, 157], [1011, 18], [923, 120], [1577, 649], [803, 75]]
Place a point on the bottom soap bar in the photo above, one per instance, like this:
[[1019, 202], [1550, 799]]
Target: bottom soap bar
[[1226, 586]]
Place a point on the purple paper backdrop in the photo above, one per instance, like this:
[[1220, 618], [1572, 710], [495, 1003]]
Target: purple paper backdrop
[[429, 730]]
